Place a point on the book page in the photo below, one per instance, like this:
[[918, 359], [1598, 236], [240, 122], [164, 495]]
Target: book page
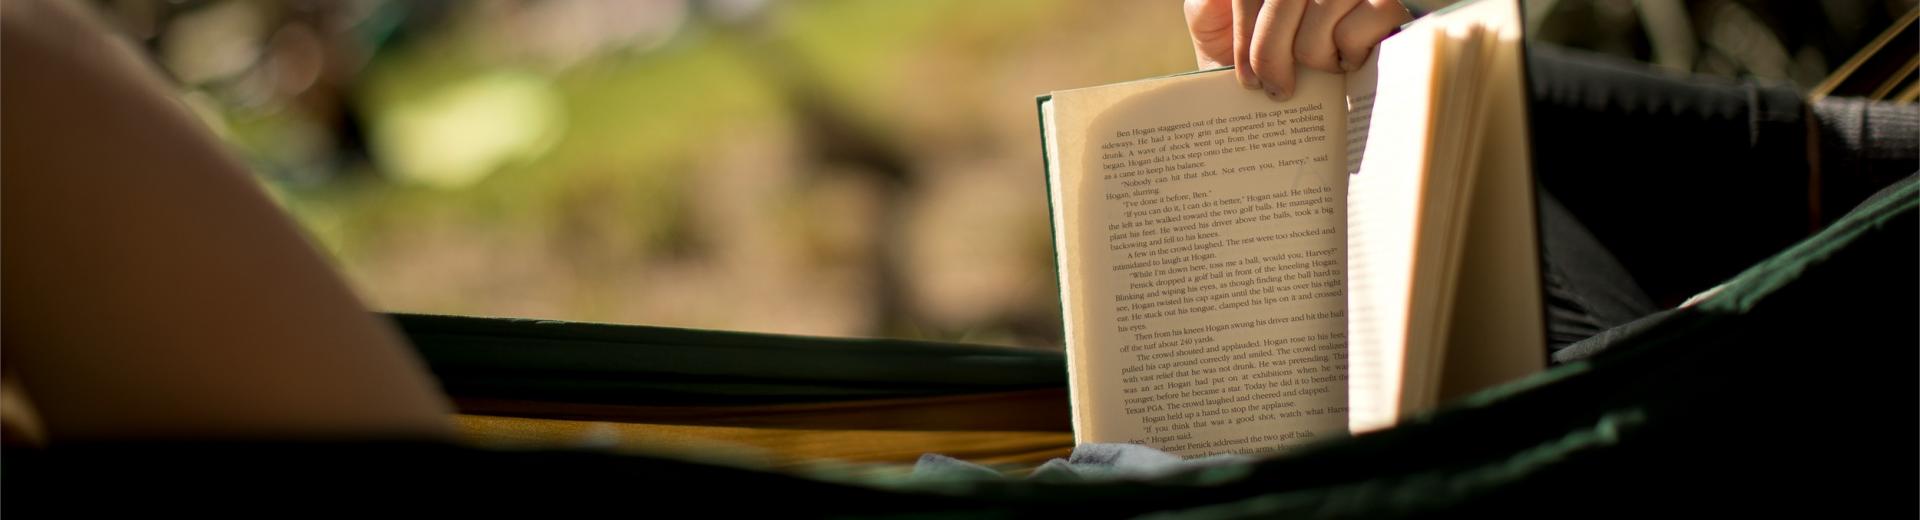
[[1204, 262], [1362, 85], [1493, 338], [1382, 208], [1445, 299]]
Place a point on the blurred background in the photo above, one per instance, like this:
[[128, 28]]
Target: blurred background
[[835, 167]]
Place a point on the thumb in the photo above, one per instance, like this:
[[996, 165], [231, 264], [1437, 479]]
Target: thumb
[[1210, 23]]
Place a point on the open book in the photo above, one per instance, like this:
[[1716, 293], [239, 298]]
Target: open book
[[1240, 275]]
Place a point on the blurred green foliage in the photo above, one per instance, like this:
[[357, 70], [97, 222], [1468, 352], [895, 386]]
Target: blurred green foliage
[[849, 167]]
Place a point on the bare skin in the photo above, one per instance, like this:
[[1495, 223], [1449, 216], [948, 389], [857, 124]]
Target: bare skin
[[1264, 39], [151, 289]]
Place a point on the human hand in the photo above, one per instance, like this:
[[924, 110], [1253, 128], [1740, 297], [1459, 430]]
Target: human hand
[[1263, 39]]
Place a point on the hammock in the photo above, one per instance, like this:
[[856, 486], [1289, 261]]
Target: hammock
[[1791, 390]]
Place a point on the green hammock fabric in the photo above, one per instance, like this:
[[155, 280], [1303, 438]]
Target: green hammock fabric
[[630, 364], [1790, 391]]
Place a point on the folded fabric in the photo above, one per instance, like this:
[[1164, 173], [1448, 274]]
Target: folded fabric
[[1088, 463]]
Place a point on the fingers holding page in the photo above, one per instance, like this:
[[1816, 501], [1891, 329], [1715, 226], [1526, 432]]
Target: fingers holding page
[[1314, 44], [1210, 24], [1265, 39], [1365, 26], [1245, 40], [1271, 58]]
